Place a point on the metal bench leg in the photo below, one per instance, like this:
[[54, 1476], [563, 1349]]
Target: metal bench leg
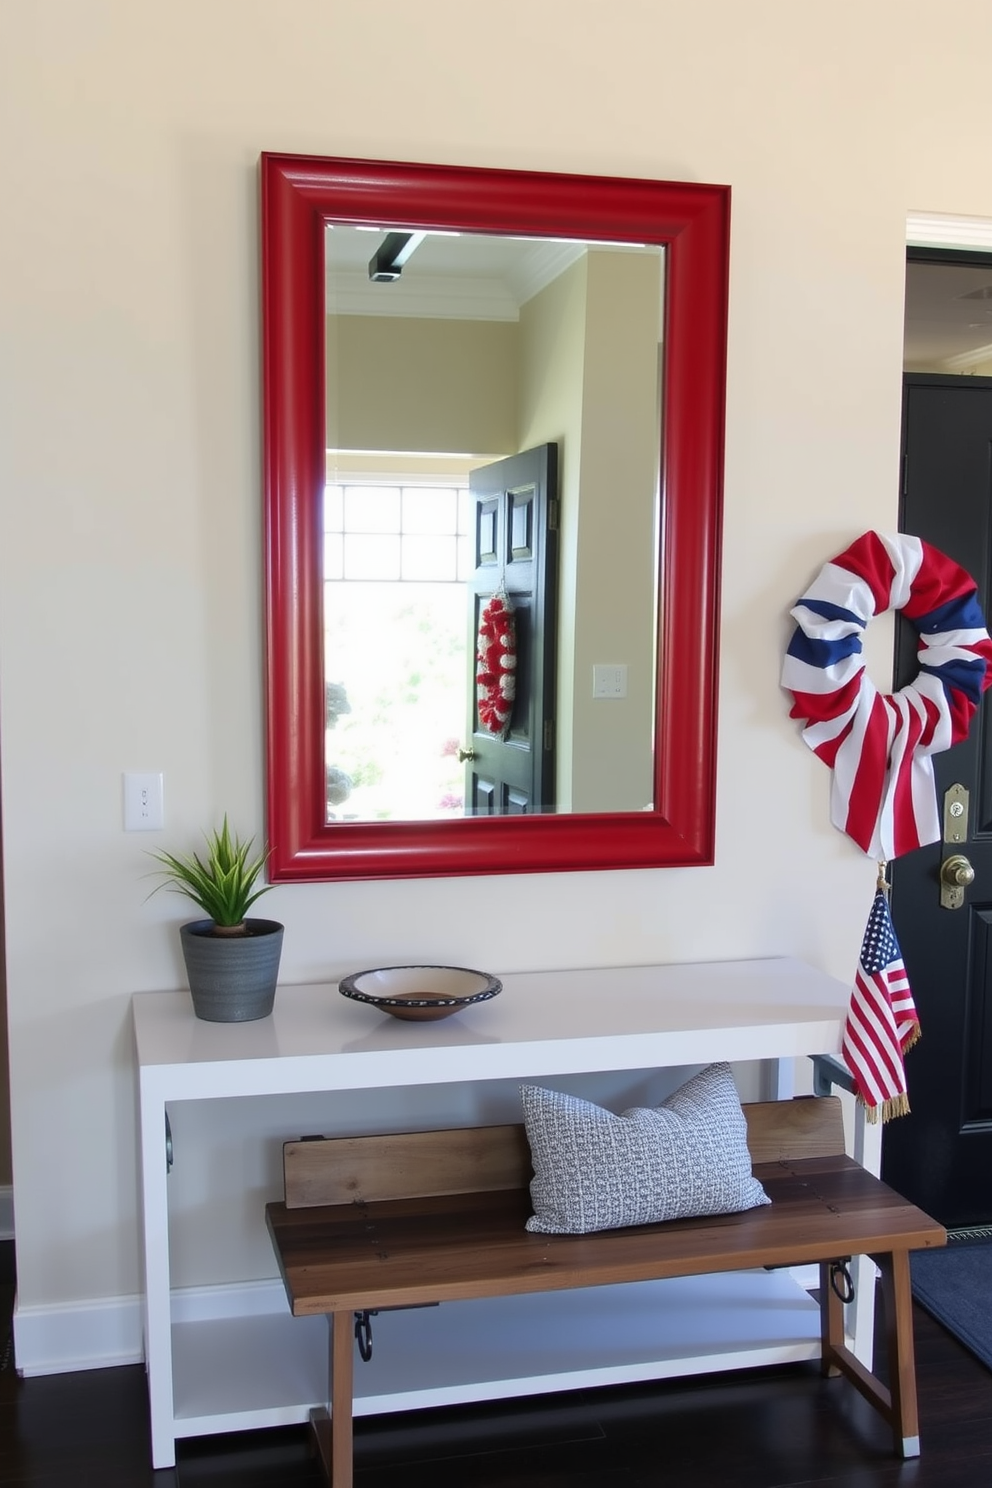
[[333, 1430]]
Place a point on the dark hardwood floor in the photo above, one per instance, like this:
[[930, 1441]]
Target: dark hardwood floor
[[775, 1428]]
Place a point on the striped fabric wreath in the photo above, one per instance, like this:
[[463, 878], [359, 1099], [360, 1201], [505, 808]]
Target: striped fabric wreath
[[496, 665], [880, 746]]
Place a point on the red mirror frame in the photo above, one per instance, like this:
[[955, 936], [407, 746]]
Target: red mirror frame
[[298, 195]]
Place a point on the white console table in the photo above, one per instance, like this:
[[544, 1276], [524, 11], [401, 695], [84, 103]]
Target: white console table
[[228, 1373]]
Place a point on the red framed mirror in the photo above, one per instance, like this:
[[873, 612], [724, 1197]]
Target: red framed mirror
[[301, 198]]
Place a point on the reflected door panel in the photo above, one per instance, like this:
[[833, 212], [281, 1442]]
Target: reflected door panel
[[513, 773]]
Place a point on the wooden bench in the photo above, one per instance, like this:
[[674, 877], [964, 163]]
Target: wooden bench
[[423, 1217]]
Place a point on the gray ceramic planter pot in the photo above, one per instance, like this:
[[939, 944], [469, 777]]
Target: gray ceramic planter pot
[[232, 979]]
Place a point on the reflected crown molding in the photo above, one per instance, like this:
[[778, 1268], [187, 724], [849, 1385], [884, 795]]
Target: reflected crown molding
[[507, 272]]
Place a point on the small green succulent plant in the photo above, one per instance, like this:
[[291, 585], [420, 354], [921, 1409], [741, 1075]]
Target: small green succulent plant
[[222, 881]]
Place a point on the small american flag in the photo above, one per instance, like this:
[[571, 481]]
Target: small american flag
[[882, 1022]]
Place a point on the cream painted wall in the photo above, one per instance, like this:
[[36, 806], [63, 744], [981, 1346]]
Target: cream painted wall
[[617, 553], [6, 1161], [552, 366], [589, 368], [580, 369], [404, 383], [130, 611]]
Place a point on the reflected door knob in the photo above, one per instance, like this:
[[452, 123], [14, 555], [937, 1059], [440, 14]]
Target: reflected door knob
[[956, 872]]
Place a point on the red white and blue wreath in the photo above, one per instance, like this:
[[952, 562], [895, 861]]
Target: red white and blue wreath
[[496, 665], [880, 748]]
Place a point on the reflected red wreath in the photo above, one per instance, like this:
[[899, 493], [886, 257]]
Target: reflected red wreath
[[496, 665]]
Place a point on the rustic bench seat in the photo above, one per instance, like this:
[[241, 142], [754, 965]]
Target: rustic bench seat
[[423, 1217]]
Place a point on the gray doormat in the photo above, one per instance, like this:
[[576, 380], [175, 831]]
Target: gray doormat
[[954, 1284]]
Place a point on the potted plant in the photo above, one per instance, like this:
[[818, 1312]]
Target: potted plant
[[232, 961]]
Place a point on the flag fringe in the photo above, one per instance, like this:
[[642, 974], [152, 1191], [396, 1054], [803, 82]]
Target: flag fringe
[[898, 1105], [912, 1037]]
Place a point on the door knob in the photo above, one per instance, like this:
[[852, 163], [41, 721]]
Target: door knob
[[956, 873], [465, 754]]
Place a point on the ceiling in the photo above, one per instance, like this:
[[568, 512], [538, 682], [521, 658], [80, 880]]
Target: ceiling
[[451, 275], [948, 324]]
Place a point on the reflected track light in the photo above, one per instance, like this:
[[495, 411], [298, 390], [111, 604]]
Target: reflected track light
[[386, 265]]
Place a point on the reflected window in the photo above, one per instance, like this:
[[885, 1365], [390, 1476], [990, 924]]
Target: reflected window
[[396, 558]]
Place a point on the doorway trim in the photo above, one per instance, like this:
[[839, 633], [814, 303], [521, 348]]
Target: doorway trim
[[938, 230]]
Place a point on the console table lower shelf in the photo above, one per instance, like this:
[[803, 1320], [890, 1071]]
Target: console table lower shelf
[[233, 1374], [227, 1359]]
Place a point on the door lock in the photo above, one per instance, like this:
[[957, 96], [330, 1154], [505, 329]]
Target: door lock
[[956, 814], [956, 873]]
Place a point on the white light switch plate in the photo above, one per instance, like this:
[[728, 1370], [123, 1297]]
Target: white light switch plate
[[144, 801]]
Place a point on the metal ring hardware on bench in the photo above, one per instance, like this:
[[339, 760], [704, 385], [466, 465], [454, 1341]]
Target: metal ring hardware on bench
[[363, 1331], [363, 1323], [841, 1280]]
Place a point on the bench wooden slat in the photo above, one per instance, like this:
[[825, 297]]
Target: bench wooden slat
[[403, 1252], [808, 1127], [406, 1165]]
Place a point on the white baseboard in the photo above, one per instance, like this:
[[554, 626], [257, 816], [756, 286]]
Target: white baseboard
[[6, 1212], [231, 1300], [60, 1338]]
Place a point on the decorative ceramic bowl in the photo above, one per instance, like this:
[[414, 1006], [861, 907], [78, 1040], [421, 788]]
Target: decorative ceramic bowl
[[420, 993]]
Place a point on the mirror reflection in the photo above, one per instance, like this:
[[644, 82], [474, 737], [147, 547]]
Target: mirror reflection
[[493, 444]]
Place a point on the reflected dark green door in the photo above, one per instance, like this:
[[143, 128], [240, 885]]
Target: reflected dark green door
[[516, 544]]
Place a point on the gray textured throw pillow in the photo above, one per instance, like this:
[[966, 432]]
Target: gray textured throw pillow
[[594, 1170]]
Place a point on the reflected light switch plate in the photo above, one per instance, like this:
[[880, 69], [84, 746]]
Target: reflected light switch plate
[[144, 801], [609, 681]]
